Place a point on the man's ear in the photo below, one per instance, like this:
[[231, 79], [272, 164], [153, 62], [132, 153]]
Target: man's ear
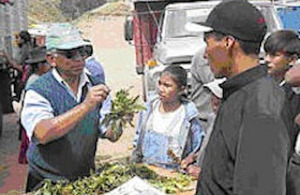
[[229, 42], [183, 90], [51, 59], [293, 59]]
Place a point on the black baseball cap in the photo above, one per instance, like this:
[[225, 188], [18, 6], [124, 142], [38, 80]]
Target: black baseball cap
[[239, 19]]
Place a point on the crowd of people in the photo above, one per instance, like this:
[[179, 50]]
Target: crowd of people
[[250, 149], [237, 133]]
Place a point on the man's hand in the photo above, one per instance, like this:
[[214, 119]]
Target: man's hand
[[114, 135], [188, 160], [292, 76], [193, 170], [96, 95]]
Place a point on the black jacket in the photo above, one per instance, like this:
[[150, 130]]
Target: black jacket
[[251, 142], [293, 178]]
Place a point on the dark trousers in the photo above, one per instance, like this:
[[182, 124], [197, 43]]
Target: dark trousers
[[33, 183]]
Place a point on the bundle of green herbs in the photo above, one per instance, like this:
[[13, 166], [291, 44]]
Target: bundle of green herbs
[[111, 175], [123, 105]]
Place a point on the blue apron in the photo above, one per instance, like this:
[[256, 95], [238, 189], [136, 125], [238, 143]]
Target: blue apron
[[155, 145]]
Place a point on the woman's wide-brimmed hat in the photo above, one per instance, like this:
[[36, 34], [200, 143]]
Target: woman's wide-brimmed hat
[[36, 55]]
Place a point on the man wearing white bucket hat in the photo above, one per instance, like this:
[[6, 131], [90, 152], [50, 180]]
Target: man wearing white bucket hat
[[216, 93], [61, 113]]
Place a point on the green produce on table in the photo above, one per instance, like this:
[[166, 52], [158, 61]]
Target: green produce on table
[[111, 175], [123, 107]]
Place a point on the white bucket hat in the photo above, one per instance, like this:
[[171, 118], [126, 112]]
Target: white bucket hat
[[64, 36], [215, 88]]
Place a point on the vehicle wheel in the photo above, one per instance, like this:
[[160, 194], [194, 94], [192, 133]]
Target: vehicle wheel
[[1, 119]]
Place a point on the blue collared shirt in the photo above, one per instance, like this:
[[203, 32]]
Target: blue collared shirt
[[37, 108], [95, 68]]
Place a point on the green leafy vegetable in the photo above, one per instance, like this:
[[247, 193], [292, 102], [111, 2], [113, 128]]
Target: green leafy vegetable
[[122, 106], [111, 175]]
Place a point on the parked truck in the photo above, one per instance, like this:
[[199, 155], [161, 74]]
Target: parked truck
[[165, 33], [13, 19]]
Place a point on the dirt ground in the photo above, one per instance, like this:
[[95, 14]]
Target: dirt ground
[[117, 57]]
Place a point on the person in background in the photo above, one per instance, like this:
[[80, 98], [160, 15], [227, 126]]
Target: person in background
[[5, 86], [215, 101], [292, 76], [248, 150], [92, 65], [39, 66], [169, 133], [282, 52], [216, 94], [38, 63], [201, 74], [95, 69], [23, 40], [61, 113]]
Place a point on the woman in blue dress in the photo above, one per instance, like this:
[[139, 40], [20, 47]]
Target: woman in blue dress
[[169, 133]]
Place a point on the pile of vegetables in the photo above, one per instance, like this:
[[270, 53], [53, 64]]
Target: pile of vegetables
[[123, 105], [112, 175]]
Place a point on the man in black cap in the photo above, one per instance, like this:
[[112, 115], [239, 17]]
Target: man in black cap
[[251, 141]]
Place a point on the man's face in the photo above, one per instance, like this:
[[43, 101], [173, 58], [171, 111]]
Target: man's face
[[216, 54], [69, 63]]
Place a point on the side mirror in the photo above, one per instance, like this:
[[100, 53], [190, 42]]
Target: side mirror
[[128, 29]]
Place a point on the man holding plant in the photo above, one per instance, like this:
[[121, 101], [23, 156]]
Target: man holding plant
[[61, 113]]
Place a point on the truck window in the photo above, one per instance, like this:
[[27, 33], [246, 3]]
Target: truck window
[[176, 20]]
